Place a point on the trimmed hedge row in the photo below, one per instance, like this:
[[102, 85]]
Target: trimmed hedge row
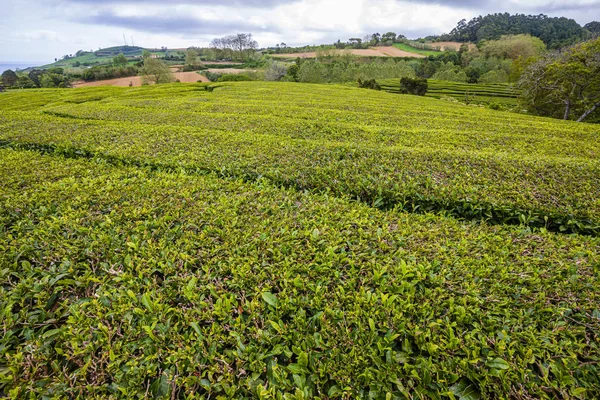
[[126, 282], [550, 178], [478, 93]]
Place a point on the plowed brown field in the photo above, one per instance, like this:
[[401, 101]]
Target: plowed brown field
[[187, 77], [387, 51]]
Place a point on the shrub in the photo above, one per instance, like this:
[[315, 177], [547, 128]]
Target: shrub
[[497, 76], [416, 86], [212, 76], [197, 67], [368, 84], [275, 71]]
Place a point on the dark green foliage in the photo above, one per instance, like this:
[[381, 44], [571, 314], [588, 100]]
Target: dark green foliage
[[24, 82], [109, 72], [120, 60], [566, 84], [473, 75], [54, 80], [35, 76], [368, 84], [9, 78], [555, 32], [197, 67], [593, 27], [212, 76], [416, 86], [293, 72]]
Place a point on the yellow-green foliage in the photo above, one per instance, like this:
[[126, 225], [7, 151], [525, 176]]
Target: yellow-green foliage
[[174, 242], [389, 151]]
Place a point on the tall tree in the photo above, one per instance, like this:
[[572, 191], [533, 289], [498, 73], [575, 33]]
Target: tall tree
[[9, 78], [593, 26], [191, 57], [240, 46], [35, 75], [564, 84], [156, 71], [388, 37], [514, 46], [120, 60]]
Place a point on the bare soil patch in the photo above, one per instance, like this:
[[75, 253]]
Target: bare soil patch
[[228, 70], [396, 52], [450, 45], [186, 77], [311, 54], [387, 51]]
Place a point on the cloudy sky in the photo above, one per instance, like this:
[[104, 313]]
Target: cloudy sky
[[39, 30]]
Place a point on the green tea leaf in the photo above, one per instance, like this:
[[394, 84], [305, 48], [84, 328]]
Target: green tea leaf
[[270, 298]]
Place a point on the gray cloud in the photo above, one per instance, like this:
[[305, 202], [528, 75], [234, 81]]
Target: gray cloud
[[173, 24], [225, 3], [492, 6]]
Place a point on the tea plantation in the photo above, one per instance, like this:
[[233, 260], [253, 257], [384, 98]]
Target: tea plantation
[[294, 241]]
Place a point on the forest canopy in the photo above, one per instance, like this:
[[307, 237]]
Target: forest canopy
[[553, 31]]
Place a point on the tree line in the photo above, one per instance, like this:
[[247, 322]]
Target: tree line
[[234, 47], [555, 32]]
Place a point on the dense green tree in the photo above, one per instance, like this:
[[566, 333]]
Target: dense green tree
[[593, 27], [54, 80], [565, 84], [473, 74], [450, 72], [495, 76], [240, 46], [275, 71], [156, 71], [514, 46], [191, 57], [9, 78], [24, 82], [292, 72], [35, 75], [389, 37], [120, 60], [554, 32], [415, 86]]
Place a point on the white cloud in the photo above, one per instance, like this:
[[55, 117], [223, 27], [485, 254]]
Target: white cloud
[[65, 26]]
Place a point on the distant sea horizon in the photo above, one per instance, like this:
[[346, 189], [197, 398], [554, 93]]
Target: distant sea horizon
[[14, 65]]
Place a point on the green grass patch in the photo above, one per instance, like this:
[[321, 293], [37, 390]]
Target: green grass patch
[[411, 49]]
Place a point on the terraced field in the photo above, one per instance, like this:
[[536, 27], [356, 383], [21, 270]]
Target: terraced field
[[502, 94], [273, 240]]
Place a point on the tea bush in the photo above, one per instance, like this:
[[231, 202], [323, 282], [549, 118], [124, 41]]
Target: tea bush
[[124, 282], [422, 155], [288, 241]]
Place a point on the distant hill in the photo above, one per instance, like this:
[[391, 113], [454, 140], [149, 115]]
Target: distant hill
[[104, 56]]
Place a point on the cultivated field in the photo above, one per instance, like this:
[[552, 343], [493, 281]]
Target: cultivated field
[[450, 45], [186, 77], [294, 241], [387, 51], [502, 94]]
